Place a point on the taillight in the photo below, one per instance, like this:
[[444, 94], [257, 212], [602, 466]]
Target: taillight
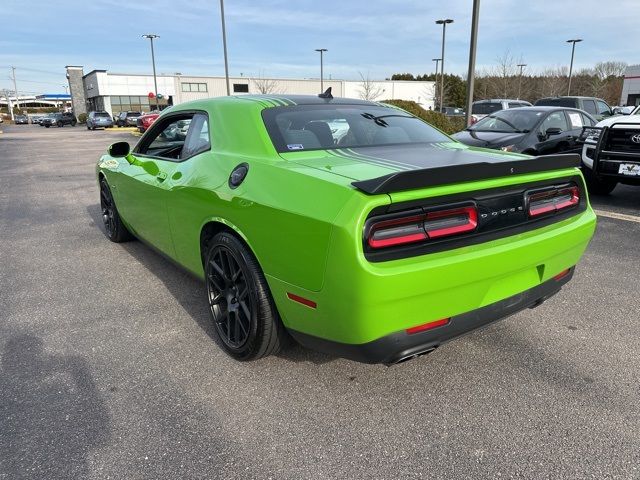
[[552, 200], [417, 227]]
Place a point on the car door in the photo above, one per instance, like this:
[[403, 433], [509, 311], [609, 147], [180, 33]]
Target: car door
[[576, 121], [552, 143], [147, 178]]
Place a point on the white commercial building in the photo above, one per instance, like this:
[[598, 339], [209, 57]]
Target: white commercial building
[[116, 92], [631, 86]]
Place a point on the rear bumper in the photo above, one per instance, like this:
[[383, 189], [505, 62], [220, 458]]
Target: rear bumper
[[400, 346]]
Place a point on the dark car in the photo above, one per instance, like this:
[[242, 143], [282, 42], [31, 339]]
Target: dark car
[[453, 111], [482, 108], [596, 107], [127, 119], [21, 120], [59, 120], [531, 130]]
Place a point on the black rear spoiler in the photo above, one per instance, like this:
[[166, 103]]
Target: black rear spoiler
[[432, 177]]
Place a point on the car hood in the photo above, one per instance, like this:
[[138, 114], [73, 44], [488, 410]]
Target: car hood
[[369, 162], [488, 139], [607, 122]]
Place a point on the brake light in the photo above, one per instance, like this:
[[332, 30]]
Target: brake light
[[451, 222], [418, 227], [551, 201]]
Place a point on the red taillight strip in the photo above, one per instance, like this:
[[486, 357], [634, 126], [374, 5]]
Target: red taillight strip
[[552, 200], [471, 222], [427, 326], [304, 301], [400, 239]]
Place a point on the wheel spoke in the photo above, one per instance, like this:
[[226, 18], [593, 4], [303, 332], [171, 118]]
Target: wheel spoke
[[245, 309], [216, 300], [244, 293], [218, 269], [215, 283]]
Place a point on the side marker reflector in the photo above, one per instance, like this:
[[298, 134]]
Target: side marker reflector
[[427, 326], [304, 301], [562, 274]]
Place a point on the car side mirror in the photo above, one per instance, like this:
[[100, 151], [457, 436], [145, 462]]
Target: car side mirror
[[119, 149], [553, 131]]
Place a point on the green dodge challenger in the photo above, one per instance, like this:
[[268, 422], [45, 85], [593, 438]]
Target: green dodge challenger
[[351, 226]]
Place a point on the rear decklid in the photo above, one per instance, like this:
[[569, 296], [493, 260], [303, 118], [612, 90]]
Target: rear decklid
[[395, 168]]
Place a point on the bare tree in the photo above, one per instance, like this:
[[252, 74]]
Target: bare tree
[[266, 85], [606, 70], [506, 73], [369, 90], [554, 82]]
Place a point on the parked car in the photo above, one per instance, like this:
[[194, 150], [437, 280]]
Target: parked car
[[35, 119], [127, 119], [595, 107], [611, 153], [482, 108], [99, 119], [378, 248], [453, 111], [59, 120], [530, 130], [21, 119], [143, 122]]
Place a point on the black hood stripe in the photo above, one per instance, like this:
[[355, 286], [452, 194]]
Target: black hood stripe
[[342, 153], [398, 163]]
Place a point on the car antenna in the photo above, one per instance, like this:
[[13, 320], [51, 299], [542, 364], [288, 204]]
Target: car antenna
[[326, 94]]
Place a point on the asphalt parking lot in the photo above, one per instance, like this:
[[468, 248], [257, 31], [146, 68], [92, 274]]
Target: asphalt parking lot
[[108, 369]]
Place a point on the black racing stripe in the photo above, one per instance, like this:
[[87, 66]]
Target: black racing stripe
[[390, 161], [275, 100], [374, 161]]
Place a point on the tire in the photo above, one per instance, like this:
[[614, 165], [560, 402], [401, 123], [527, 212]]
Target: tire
[[47, 126], [246, 323], [88, 127], [60, 124], [113, 226], [598, 185], [73, 124]]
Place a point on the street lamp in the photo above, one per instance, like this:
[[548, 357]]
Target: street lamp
[[224, 46], [66, 89], [321, 50], [472, 60], [435, 90], [573, 50], [151, 36], [444, 23], [521, 65]]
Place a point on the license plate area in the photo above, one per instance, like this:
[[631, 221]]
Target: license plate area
[[631, 169]]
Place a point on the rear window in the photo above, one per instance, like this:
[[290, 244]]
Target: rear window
[[133, 114], [314, 127], [486, 108], [557, 102], [102, 115]]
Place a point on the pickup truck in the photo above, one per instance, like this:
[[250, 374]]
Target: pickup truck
[[611, 153]]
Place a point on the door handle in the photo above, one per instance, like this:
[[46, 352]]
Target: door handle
[[161, 176]]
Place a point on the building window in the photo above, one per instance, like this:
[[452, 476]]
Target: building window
[[194, 87], [240, 88]]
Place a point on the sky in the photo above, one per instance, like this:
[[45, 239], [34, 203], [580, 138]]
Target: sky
[[277, 38]]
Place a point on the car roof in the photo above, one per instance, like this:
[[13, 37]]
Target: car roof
[[568, 96], [492, 100]]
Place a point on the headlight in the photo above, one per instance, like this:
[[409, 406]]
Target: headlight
[[508, 148], [591, 135]]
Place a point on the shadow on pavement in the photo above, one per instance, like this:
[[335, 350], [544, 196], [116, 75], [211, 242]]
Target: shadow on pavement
[[190, 293], [51, 414]]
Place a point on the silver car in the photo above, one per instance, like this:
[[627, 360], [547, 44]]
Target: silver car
[[99, 119]]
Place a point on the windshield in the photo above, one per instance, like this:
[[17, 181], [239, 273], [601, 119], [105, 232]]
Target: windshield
[[516, 120], [557, 102], [314, 127]]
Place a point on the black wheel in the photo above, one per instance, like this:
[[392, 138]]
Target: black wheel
[[88, 127], [113, 226], [246, 321], [47, 126], [598, 185], [60, 124], [73, 124]]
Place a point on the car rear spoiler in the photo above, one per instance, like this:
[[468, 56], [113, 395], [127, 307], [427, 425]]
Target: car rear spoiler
[[437, 176]]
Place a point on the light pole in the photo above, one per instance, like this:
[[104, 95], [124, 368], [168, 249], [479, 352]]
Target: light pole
[[573, 50], [66, 89], [435, 90], [521, 65], [444, 23], [321, 50], [151, 36], [15, 87], [472, 60], [224, 46]]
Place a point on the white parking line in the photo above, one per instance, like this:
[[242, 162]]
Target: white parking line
[[617, 216]]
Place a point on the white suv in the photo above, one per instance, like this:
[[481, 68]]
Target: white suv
[[611, 152]]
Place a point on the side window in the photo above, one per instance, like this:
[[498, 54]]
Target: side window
[[515, 105], [587, 121], [555, 120], [169, 141], [197, 140], [590, 106], [575, 120], [603, 108]]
